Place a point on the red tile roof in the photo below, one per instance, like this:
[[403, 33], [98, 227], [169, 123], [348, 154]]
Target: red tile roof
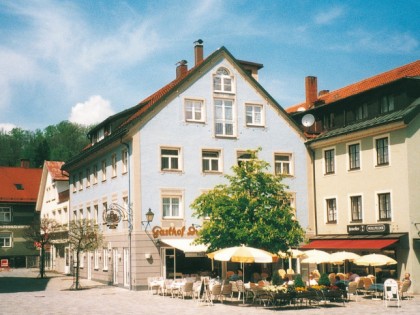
[[409, 70], [54, 168], [19, 184]]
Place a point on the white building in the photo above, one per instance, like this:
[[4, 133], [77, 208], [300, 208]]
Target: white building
[[53, 203], [164, 152]]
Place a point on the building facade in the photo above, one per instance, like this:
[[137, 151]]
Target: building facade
[[53, 203], [18, 192], [365, 143], [164, 152]]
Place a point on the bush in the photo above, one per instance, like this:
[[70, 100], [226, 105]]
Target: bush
[[324, 280], [299, 282], [276, 280]]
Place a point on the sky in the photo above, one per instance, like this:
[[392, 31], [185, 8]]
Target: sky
[[83, 61]]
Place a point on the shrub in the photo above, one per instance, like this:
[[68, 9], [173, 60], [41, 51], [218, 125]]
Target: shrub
[[324, 280], [299, 282], [276, 280]]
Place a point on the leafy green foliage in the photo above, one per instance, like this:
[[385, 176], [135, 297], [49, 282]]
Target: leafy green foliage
[[55, 143], [254, 210], [299, 282], [324, 280], [276, 280]]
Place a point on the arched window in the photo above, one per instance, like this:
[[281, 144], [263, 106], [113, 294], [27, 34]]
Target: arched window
[[222, 81]]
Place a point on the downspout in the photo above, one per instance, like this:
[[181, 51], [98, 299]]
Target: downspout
[[314, 184], [130, 218]]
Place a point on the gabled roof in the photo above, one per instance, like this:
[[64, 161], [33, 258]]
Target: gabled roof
[[406, 71], [54, 168], [19, 184], [141, 109]]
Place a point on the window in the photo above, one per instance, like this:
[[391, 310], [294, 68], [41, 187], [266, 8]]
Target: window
[[283, 164], [170, 159], [331, 210], [224, 120], [104, 207], [124, 157], [74, 215], [382, 157], [171, 206], [95, 174], [80, 181], [114, 165], [105, 258], [211, 161], [96, 259], [194, 110], [95, 214], [254, 115], [387, 104], [384, 206], [104, 170], [88, 213], [222, 81], [5, 214], [74, 183], [361, 112], [356, 208], [354, 156], [329, 161], [5, 240], [243, 157], [87, 177], [81, 216]]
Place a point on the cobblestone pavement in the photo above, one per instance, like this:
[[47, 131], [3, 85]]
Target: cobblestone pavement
[[21, 292]]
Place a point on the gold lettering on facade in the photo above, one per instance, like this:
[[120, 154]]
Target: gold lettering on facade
[[158, 231]]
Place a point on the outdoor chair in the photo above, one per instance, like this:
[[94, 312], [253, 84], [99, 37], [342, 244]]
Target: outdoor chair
[[262, 296], [404, 289], [225, 292], [215, 291], [235, 289], [186, 290], [165, 287], [352, 290], [367, 283], [361, 286]]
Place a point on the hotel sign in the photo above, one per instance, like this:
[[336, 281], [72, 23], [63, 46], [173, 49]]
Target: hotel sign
[[158, 231], [368, 229]]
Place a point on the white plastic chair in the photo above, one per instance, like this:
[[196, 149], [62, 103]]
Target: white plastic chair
[[391, 293]]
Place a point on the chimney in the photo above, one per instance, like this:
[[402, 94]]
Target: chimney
[[181, 68], [198, 51], [311, 89], [24, 163]]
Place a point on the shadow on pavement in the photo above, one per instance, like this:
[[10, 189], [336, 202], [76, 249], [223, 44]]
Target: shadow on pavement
[[17, 284]]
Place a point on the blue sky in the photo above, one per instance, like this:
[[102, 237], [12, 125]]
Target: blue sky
[[85, 60]]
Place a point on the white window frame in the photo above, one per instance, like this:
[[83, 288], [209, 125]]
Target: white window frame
[[103, 168], [80, 181], [193, 108], [243, 156], [114, 164], [351, 208], [124, 160], [87, 177], [377, 206], [223, 119], [334, 211], [5, 214], [95, 174], [375, 151], [252, 113], [170, 158], [210, 161], [349, 160], [324, 164], [223, 77], [6, 239], [96, 259], [105, 257], [95, 213], [172, 194], [283, 163]]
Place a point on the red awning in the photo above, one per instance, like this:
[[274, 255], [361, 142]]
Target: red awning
[[350, 244]]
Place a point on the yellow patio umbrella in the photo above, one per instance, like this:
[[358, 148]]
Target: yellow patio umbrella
[[242, 254], [339, 258], [315, 256]]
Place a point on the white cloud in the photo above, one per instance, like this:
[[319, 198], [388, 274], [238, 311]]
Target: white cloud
[[329, 15], [6, 127], [93, 111]]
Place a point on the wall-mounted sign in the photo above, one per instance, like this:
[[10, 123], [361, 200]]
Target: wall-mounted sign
[[368, 229], [159, 231]]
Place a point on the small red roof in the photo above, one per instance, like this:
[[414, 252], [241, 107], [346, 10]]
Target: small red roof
[[409, 70], [54, 168], [19, 184]]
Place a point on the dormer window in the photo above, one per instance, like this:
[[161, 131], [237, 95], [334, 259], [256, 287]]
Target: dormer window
[[387, 104], [19, 186], [223, 81]]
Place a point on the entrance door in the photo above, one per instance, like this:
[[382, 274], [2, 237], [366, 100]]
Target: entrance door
[[115, 266], [89, 266], [126, 267]]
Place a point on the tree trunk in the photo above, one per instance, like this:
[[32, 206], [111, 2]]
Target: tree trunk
[[77, 270], [42, 262]]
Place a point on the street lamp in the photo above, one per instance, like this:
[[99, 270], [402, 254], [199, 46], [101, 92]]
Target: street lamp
[[149, 218]]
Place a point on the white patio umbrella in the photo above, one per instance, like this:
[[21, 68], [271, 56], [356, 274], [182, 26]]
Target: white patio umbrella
[[242, 254], [315, 256], [292, 253], [339, 258], [375, 260]]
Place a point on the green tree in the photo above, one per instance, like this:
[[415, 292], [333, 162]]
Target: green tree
[[324, 280], [40, 234], [84, 235], [254, 210], [299, 282]]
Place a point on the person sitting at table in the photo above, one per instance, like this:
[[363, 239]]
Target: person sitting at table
[[312, 280], [341, 285], [353, 276], [235, 276]]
